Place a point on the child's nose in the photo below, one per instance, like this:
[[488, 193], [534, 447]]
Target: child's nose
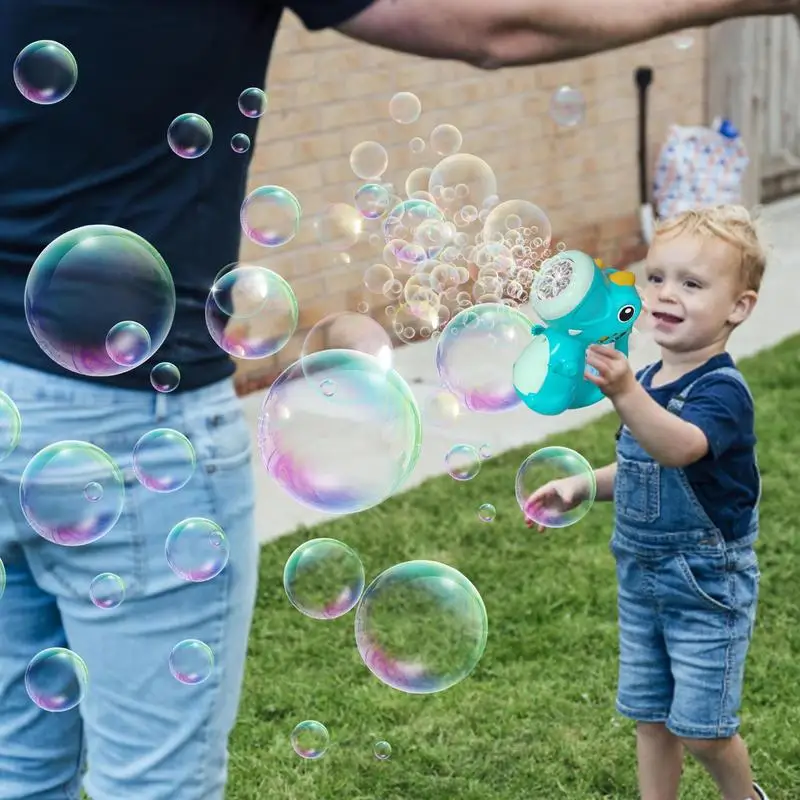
[[666, 291]]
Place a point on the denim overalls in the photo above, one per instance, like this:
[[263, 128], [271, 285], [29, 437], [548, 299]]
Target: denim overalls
[[686, 597]]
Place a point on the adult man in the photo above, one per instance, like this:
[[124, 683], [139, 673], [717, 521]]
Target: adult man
[[100, 157]]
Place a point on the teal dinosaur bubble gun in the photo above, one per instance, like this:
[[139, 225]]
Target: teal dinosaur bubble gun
[[582, 303]]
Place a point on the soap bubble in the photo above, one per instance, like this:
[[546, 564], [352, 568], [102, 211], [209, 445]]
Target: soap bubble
[[442, 410], [191, 662], [93, 491], [339, 226], [567, 107], [52, 493], [107, 590], [56, 679], [463, 462], [476, 352], [240, 142], [417, 181], [521, 223], [128, 344], [372, 200], [487, 512], [323, 578], [369, 160], [165, 377], [416, 145], [376, 277], [421, 627], [190, 136], [415, 222], [253, 102], [346, 452], [113, 272], [270, 216], [10, 426], [163, 460], [197, 549], [550, 464], [2, 578], [462, 169], [310, 739], [251, 311], [405, 108], [683, 40], [349, 331], [45, 72], [382, 750], [446, 140]]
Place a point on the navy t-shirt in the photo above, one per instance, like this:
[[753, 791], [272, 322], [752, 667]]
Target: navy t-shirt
[[100, 156], [725, 480]]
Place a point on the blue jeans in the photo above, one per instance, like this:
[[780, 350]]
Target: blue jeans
[[142, 734]]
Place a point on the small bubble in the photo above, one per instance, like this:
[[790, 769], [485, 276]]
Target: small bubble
[[382, 750], [405, 108], [240, 143], [93, 491], [253, 102]]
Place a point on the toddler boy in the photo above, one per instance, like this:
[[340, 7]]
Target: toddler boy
[[686, 487]]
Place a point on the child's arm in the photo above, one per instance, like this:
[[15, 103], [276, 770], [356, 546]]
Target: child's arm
[[605, 482], [665, 437]]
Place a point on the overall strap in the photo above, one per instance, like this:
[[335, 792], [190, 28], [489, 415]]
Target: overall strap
[[648, 371], [677, 402]]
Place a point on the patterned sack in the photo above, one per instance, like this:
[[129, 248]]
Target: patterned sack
[[699, 167]]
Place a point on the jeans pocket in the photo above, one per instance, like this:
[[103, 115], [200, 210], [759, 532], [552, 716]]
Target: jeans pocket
[[637, 490], [717, 587]]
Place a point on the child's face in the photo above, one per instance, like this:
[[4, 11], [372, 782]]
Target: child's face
[[693, 292]]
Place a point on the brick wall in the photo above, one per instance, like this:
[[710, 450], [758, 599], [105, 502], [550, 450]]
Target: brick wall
[[327, 94]]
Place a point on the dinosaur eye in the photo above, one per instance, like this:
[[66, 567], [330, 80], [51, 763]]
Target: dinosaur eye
[[626, 313]]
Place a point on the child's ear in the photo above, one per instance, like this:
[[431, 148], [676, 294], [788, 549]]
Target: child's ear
[[743, 307]]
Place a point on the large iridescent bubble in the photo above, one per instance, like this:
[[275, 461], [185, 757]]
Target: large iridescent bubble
[[421, 627], [476, 352], [117, 275], [72, 493], [340, 431]]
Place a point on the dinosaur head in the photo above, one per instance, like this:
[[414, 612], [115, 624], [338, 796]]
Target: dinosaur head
[[578, 296]]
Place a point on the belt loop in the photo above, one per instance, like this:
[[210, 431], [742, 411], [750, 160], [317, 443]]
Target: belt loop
[[161, 407]]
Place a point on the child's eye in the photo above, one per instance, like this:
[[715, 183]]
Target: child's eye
[[654, 278], [692, 284]]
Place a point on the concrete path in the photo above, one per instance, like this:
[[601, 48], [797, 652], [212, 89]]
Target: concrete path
[[776, 317]]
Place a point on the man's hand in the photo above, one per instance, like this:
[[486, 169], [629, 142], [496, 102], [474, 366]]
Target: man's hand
[[615, 377]]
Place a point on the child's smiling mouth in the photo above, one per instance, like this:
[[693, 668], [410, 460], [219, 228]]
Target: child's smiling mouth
[[670, 319]]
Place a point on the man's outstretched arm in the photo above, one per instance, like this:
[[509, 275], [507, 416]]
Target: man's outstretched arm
[[502, 33]]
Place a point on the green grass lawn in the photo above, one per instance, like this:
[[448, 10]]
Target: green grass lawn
[[536, 718]]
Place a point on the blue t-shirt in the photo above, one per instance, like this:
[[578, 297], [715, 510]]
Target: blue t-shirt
[[726, 480], [101, 157]]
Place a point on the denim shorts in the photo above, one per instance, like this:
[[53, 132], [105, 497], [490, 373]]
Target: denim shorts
[[686, 618]]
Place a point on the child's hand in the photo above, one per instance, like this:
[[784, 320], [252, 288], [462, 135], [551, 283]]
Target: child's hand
[[559, 496], [614, 375]]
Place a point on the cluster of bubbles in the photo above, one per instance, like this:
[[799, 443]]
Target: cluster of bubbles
[[72, 493]]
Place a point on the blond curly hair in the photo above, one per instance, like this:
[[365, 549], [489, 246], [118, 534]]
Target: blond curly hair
[[733, 224]]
